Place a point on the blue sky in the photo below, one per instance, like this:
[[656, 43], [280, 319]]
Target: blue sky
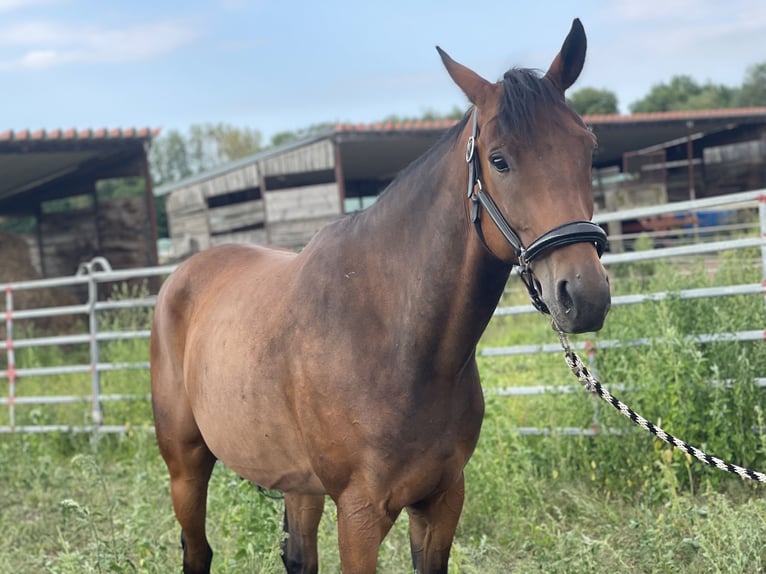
[[279, 65]]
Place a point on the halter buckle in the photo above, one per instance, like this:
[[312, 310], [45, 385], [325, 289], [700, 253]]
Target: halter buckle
[[469, 149]]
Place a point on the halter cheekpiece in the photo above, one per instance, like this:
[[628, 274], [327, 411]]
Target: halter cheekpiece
[[560, 236]]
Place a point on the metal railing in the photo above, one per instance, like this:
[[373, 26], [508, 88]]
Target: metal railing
[[92, 275], [98, 272]]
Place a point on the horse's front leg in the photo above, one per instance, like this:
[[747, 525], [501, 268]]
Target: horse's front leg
[[432, 528], [363, 522], [299, 549]]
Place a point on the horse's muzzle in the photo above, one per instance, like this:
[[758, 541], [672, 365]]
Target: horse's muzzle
[[581, 303]]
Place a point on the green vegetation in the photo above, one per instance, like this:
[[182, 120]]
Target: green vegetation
[[680, 93], [592, 101], [558, 504]]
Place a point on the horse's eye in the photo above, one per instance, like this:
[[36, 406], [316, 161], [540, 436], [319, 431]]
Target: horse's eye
[[499, 163]]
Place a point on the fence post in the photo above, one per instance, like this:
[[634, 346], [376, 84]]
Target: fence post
[[89, 269], [10, 356], [97, 413], [762, 219]]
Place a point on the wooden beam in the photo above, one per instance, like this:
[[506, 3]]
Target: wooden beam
[[339, 176], [152, 256]]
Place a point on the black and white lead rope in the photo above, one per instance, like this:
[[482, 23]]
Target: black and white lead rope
[[593, 385]]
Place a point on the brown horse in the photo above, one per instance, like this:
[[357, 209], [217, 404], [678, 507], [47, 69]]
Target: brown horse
[[349, 369]]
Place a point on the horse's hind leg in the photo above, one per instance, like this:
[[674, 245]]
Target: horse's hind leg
[[299, 549], [190, 464], [189, 476], [432, 528]]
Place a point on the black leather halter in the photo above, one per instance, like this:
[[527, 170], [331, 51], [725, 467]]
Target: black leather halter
[[561, 236]]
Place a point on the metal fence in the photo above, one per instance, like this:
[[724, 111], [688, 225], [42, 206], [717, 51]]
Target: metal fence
[[94, 275]]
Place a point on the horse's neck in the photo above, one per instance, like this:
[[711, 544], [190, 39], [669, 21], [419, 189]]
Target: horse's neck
[[448, 284]]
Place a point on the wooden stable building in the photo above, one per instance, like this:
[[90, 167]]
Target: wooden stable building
[[58, 193], [283, 195]]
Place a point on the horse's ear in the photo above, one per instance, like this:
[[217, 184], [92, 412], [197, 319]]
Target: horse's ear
[[473, 85], [568, 63]]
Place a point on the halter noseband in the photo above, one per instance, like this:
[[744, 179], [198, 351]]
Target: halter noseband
[[561, 236]]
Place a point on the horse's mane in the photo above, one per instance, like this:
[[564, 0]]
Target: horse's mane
[[525, 93]]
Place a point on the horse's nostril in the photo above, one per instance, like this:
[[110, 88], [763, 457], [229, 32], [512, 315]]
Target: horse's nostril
[[564, 297]]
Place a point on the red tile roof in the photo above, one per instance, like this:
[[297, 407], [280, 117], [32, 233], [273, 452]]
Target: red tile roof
[[732, 113], [74, 134], [413, 125], [602, 119]]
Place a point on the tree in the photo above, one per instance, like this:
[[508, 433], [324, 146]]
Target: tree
[[168, 158], [753, 91], [209, 145], [429, 115], [713, 97], [593, 101], [174, 156], [288, 136], [684, 93]]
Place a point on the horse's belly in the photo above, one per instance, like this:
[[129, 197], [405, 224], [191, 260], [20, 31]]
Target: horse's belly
[[271, 455], [249, 427]]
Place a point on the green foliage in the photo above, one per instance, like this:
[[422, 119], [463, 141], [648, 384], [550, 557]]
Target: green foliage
[[174, 156], [121, 187], [19, 225], [428, 115], [684, 93], [161, 213], [289, 136], [593, 101], [702, 393], [753, 92], [169, 159]]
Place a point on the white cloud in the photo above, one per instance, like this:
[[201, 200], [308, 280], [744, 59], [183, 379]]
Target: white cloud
[[39, 59], [36, 33], [13, 5], [46, 44]]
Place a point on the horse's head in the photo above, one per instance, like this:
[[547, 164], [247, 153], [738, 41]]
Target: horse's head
[[531, 166]]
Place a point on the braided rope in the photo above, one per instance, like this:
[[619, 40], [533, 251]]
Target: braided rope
[[593, 385]]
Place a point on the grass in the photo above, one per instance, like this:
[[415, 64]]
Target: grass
[[79, 503], [75, 504]]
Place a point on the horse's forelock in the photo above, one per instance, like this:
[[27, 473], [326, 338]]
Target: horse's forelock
[[525, 93]]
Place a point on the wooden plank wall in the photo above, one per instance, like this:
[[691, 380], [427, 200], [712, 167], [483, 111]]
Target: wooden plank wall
[[254, 236], [294, 215], [236, 216], [187, 221], [289, 217], [317, 156], [245, 177]]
